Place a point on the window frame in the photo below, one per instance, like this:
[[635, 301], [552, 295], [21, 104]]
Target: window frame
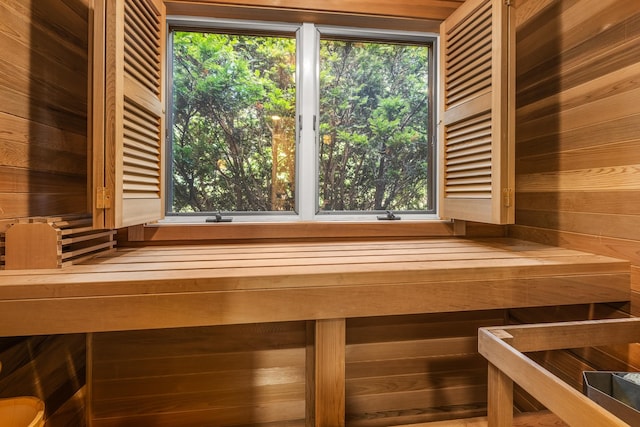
[[307, 111]]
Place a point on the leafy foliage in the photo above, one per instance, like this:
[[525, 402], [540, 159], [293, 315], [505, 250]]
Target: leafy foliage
[[227, 90], [233, 136], [374, 126]]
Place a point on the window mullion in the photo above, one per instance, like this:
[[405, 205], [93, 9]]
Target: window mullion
[[307, 126]]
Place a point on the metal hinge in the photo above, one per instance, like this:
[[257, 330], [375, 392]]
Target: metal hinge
[[103, 198], [507, 3], [507, 197]]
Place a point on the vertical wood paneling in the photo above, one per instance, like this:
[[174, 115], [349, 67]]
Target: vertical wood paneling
[[578, 126], [43, 172], [43, 115]]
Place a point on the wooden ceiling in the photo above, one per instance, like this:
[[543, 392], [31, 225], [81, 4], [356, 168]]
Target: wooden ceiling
[[424, 15]]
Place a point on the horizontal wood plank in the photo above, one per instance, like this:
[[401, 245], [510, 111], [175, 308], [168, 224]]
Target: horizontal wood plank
[[210, 372], [40, 204], [541, 419], [599, 202], [550, 140], [279, 413], [429, 9], [174, 233], [612, 225], [43, 85]]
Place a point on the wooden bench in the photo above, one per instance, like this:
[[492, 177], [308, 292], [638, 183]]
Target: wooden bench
[[178, 286], [323, 283]]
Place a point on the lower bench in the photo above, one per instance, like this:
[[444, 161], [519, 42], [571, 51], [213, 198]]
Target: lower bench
[[504, 348]]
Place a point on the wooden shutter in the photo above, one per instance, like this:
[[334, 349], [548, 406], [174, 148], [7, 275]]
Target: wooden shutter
[[129, 141], [477, 113]]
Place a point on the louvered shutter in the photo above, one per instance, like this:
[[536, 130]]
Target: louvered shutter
[[133, 128], [477, 113]]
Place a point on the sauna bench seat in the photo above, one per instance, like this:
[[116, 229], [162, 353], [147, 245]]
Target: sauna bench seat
[[180, 286]]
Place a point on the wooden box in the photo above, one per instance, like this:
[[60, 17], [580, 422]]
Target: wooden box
[[53, 242]]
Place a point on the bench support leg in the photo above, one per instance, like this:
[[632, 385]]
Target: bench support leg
[[326, 373], [500, 398]]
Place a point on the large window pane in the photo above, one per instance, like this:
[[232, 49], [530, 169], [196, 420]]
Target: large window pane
[[375, 126], [233, 135]]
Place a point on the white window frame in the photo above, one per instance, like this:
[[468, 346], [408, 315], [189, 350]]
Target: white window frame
[[307, 111]]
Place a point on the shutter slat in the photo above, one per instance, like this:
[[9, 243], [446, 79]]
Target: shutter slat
[[480, 41], [142, 43], [468, 140], [139, 10], [471, 84], [137, 170], [458, 29], [481, 59], [142, 38]]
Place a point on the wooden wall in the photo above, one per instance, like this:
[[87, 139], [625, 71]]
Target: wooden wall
[[43, 172], [578, 127], [410, 369], [399, 369], [578, 150], [43, 114], [240, 375]]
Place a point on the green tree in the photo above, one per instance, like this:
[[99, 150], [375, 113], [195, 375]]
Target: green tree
[[234, 128], [374, 126], [227, 89]]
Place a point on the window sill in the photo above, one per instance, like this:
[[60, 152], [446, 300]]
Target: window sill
[[242, 232]]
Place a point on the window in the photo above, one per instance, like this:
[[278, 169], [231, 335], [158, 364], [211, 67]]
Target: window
[[306, 121], [233, 122], [475, 120], [375, 126]]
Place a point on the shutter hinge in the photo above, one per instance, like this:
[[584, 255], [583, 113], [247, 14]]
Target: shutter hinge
[[507, 3], [507, 197], [103, 198]]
